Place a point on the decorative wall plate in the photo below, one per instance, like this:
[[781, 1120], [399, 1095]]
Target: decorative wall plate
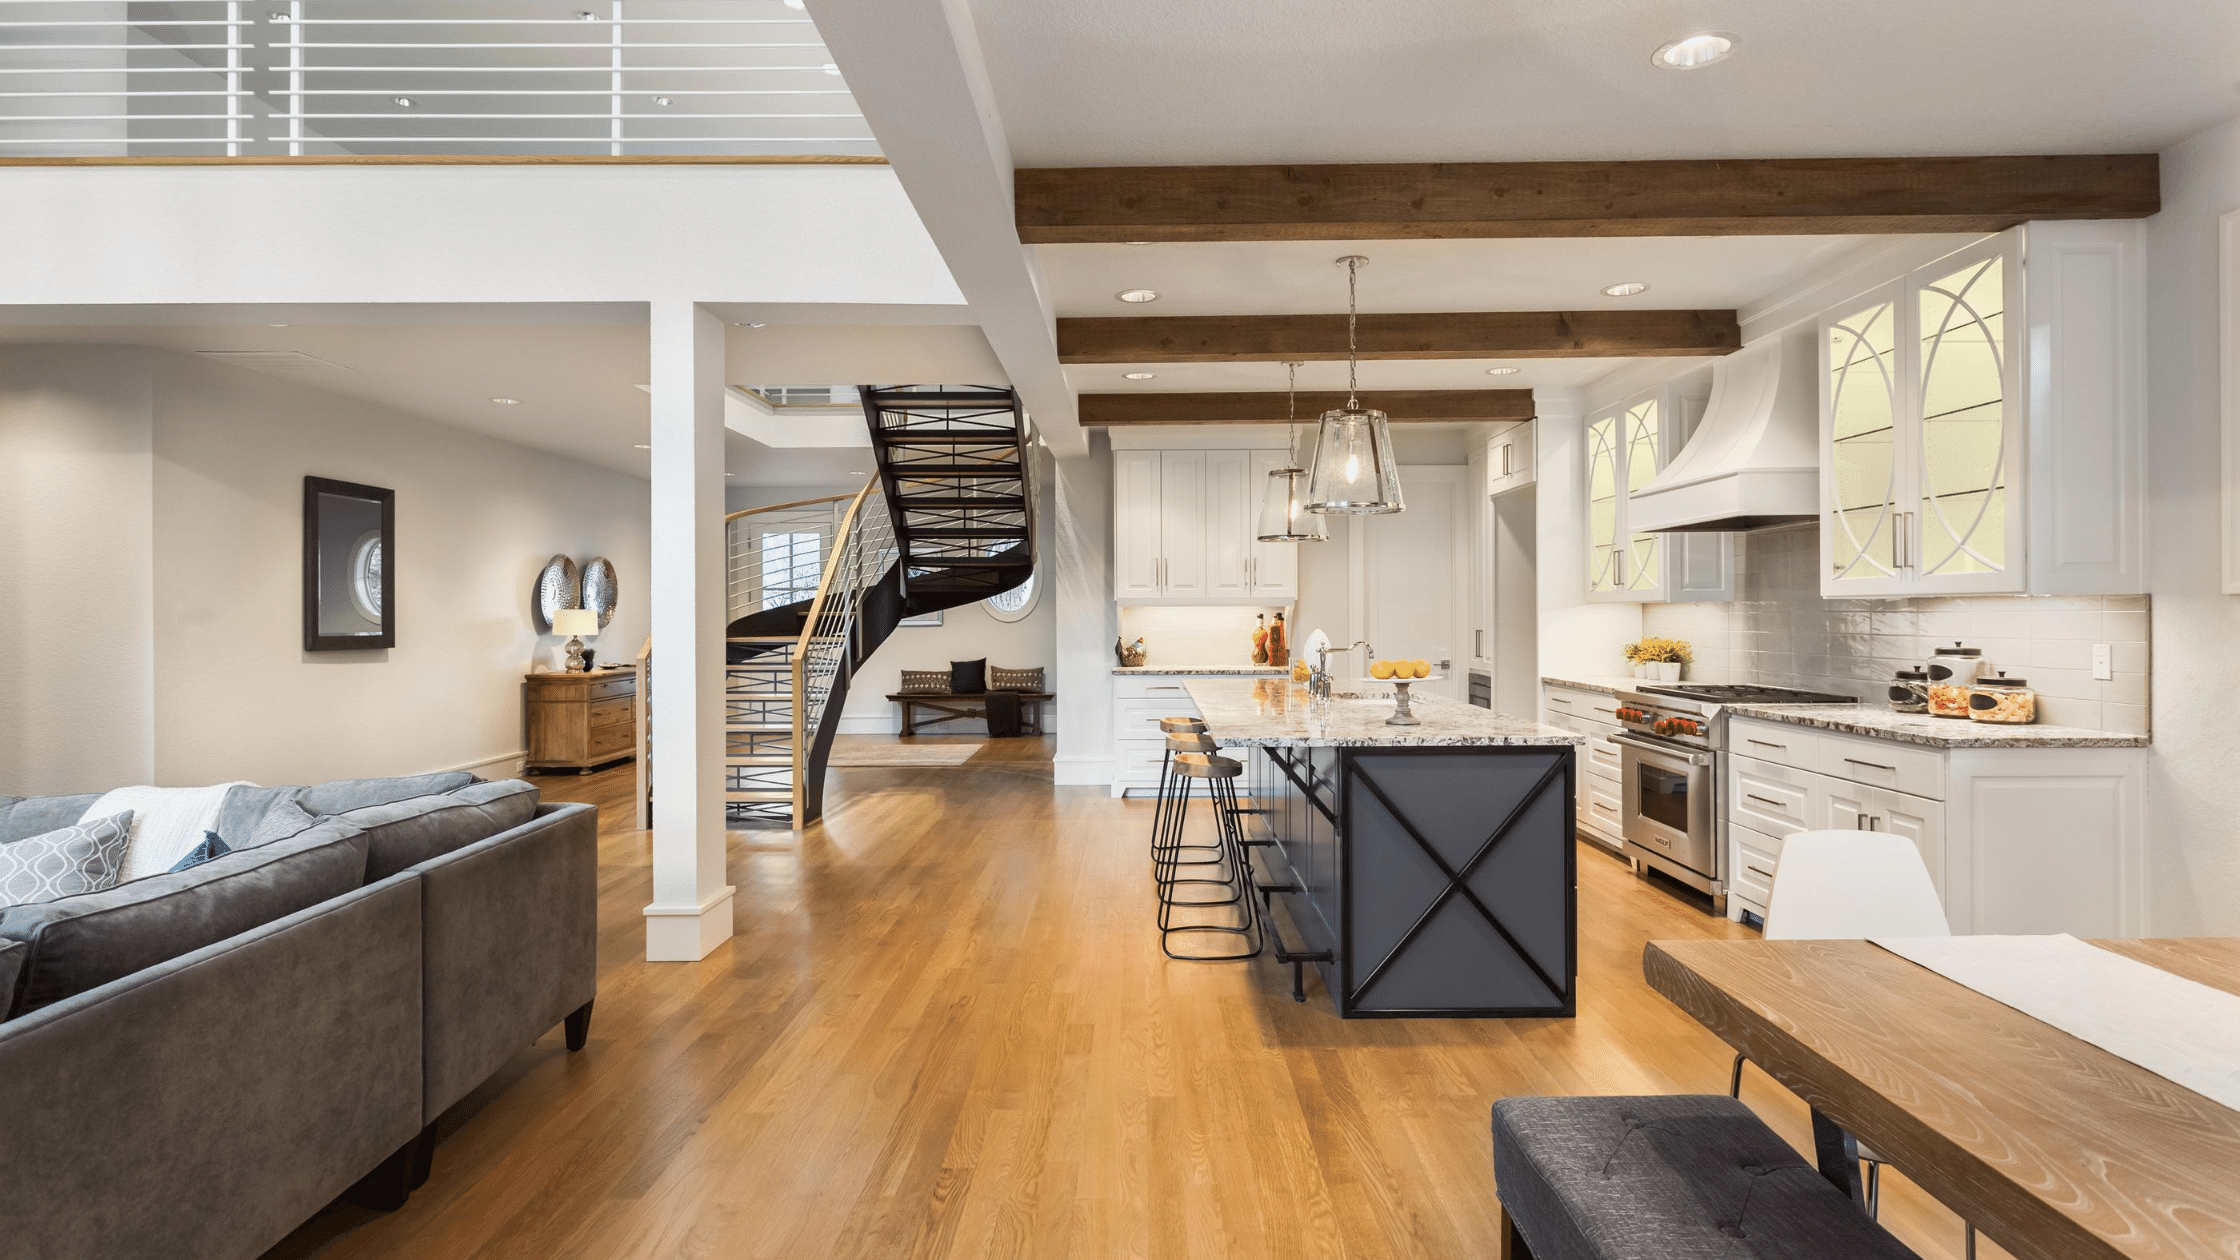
[[600, 591], [559, 586]]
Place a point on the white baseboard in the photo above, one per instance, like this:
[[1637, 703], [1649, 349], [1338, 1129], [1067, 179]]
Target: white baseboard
[[891, 724], [503, 766], [887, 725], [688, 933], [1081, 771]]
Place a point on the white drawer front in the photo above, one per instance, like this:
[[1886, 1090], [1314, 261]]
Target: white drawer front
[[1907, 768], [1604, 813], [1147, 686], [1602, 756], [1595, 706], [1776, 742], [1139, 719], [1770, 798], [1137, 764], [1753, 857]]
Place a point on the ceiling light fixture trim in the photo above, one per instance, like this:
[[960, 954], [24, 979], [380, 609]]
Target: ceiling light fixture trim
[[1629, 288], [1694, 52], [1137, 295]]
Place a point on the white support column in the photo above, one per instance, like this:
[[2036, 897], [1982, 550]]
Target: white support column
[[1079, 571], [691, 910]]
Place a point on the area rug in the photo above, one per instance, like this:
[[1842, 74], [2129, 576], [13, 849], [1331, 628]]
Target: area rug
[[860, 751]]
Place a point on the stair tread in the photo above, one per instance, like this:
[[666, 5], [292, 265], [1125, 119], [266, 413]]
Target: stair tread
[[997, 502], [970, 562], [946, 472], [984, 531]]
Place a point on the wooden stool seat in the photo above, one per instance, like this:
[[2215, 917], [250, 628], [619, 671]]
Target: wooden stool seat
[[1192, 742], [1180, 725], [1193, 765]]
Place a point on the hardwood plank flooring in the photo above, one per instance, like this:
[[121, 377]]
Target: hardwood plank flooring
[[945, 1029]]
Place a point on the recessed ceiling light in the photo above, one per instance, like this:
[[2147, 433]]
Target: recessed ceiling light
[[404, 102], [276, 325], [731, 474], [1137, 295], [831, 68], [1503, 371], [1628, 289], [645, 446], [664, 100], [586, 15], [1138, 376], [1135, 242], [507, 402], [1693, 53]]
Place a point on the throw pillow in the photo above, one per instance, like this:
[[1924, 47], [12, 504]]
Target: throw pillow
[[931, 681], [1001, 679], [968, 678], [82, 858], [210, 847]]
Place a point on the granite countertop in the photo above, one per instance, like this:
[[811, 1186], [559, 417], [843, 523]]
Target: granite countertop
[[1607, 684], [1274, 712], [1877, 722], [1269, 671]]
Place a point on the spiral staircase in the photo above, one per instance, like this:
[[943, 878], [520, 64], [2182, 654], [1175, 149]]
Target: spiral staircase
[[815, 586]]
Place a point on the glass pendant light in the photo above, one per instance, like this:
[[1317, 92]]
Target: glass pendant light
[[1355, 471], [1283, 501]]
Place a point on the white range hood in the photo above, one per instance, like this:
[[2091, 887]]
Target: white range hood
[[1754, 461]]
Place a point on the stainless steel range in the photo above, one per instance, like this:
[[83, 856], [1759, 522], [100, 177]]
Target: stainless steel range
[[1673, 756]]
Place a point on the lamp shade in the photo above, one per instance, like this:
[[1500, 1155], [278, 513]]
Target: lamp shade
[[1355, 470], [1283, 509], [580, 623]]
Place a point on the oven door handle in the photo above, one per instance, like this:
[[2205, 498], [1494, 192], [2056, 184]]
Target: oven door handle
[[1639, 744]]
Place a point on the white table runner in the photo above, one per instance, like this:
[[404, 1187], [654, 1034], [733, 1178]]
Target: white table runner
[[2179, 1029]]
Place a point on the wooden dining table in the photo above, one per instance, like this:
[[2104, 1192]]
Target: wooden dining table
[[2052, 1147]]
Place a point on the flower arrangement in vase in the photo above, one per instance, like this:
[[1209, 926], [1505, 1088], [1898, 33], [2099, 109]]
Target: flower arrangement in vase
[[1659, 660]]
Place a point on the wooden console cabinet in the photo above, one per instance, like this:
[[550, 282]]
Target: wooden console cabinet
[[579, 721]]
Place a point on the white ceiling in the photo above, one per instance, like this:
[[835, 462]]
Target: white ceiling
[[579, 385], [1089, 82]]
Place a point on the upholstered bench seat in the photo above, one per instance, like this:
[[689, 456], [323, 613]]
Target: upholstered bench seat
[[1681, 1177]]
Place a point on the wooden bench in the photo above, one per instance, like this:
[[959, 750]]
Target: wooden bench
[[952, 706]]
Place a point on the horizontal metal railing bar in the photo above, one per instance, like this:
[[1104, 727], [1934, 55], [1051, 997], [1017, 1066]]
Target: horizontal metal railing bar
[[134, 94], [585, 44], [583, 139], [8, 140], [420, 114], [583, 69], [110, 23], [600, 92], [590, 21], [209, 70], [134, 48], [32, 118]]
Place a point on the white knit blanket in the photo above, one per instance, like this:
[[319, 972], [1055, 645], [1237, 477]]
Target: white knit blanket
[[166, 823]]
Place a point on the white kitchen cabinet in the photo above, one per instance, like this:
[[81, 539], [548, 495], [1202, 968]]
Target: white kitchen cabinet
[[1482, 581], [1628, 444], [1139, 749], [1509, 464], [1593, 714], [2016, 840], [1184, 525], [1982, 422]]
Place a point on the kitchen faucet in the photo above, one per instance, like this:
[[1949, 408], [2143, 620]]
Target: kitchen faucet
[[1318, 681]]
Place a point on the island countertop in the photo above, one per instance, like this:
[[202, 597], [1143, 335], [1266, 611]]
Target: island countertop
[[1273, 712]]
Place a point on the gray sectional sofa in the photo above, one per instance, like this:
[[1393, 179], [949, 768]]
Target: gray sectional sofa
[[195, 1063]]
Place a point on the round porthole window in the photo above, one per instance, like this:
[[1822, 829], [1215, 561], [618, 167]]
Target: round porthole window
[[1016, 603], [365, 575]]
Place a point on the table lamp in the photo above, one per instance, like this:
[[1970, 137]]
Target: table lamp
[[576, 623]]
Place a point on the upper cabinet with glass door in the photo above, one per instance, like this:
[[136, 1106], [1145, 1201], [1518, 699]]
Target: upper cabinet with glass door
[[1979, 422], [1627, 446]]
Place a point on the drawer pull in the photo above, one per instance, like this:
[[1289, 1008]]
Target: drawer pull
[[1562, 700], [1762, 800], [1755, 871], [1871, 765], [1766, 744], [1163, 687]]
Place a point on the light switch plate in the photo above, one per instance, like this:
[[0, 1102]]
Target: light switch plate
[[2103, 666]]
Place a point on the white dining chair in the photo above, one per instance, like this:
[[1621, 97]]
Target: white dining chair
[[1850, 886]]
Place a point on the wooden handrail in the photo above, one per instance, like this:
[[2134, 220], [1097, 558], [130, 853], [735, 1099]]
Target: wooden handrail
[[773, 507]]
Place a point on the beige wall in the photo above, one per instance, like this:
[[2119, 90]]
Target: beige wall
[[209, 608]]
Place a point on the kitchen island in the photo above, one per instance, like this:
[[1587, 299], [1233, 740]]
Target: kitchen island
[[1425, 870]]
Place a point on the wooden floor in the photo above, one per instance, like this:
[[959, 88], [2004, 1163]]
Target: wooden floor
[[945, 1029]]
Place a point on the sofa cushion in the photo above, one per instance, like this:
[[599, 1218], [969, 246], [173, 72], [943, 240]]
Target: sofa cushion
[[12, 954], [402, 834], [83, 942], [343, 795], [36, 815], [1680, 1177], [284, 819], [80, 858]]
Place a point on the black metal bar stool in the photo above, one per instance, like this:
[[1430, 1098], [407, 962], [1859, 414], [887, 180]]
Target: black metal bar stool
[[1230, 873], [1171, 727]]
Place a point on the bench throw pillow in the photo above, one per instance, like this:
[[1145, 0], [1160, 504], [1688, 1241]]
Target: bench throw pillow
[[930, 682], [403, 834], [968, 678], [80, 858], [1001, 679], [83, 942]]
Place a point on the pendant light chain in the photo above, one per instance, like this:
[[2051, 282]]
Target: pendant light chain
[[1353, 307], [1293, 412]]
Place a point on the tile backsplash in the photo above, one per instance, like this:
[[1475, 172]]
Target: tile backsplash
[[1197, 634], [1779, 631]]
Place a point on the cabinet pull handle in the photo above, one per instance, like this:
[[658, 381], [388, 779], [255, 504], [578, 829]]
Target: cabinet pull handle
[[1755, 871], [1504, 459], [1762, 743], [1763, 800], [1163, 687], [1871, 765]]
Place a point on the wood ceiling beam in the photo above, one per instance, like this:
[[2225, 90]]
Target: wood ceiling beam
[[1464, 335], [1408, 201], [1423, 406]]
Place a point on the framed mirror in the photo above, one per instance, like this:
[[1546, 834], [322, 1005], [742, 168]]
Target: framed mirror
[[349, 578]]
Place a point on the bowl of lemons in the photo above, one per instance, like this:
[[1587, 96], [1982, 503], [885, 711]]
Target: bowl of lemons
[[1401, 671]]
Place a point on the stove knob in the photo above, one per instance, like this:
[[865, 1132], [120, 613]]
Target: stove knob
[[1663, 726]]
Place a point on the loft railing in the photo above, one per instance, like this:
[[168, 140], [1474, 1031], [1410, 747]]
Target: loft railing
[[306, 78]]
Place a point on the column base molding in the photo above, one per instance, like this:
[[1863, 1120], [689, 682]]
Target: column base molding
[[688, 933]]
